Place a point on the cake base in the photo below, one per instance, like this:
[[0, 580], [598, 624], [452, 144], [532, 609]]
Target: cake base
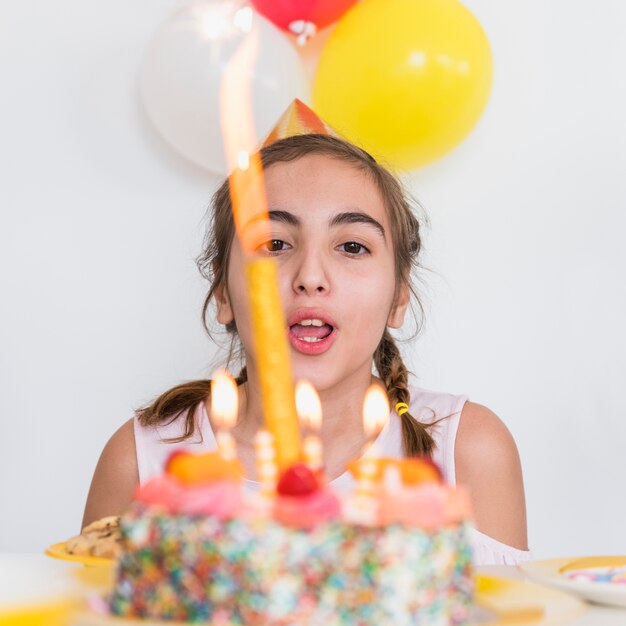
[[257, 571]]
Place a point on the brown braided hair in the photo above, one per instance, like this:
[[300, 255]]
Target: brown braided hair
[[416, 440], [213, 265], [169, 405]]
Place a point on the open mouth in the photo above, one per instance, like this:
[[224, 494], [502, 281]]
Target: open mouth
[[311, 330], [311, 335]]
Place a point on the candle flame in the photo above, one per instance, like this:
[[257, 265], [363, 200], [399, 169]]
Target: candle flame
[[247, 189], [243, 160], [308, 405], [375, 410], [224, 400]]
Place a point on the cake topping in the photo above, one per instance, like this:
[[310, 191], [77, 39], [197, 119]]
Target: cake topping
[[413, 470], [298, 480], [160, 491], [196, 484], [302, 498], [416, 470], [195, 469]]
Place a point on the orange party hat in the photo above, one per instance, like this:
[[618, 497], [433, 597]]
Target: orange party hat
[[298, 119]]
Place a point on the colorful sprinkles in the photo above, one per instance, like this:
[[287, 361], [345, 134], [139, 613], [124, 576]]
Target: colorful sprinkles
[[611, 575], [257, 571]]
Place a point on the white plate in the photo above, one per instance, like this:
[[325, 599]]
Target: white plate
[[553, 572]]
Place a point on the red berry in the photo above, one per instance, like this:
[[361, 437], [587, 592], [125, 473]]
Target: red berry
[[297, 480]]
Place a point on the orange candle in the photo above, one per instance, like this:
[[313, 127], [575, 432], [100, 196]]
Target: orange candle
[[272, 359], [266, 469], [247, 192]]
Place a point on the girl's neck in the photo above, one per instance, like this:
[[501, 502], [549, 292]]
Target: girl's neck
[[342, 435]]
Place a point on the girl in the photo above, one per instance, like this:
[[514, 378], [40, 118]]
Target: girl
[[346, 242]]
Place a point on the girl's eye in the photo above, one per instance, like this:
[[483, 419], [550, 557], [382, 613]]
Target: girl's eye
[[275, 245], [354, 248]]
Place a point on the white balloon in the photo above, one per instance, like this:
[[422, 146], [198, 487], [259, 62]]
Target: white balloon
[[183, 67]]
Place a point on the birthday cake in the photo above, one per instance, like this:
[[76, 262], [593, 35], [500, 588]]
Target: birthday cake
[[196, 547]]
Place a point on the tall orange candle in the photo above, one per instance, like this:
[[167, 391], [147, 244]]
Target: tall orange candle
[[272, 359], [247, 192]]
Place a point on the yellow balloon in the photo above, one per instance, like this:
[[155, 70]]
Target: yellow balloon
[[405, 79]]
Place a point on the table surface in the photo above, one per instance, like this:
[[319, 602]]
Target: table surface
[[33, 574], [594, 615]]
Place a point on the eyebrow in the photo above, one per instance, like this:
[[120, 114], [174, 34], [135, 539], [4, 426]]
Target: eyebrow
[[277, 215], [356, 217], [346, 217]]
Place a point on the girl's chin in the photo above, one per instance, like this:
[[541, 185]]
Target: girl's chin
[[320, 375], [319, 381], [329, 375]]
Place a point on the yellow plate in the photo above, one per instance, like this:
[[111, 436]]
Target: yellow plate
[[59, 551], [54, 613], [552, 572], [593, 561]]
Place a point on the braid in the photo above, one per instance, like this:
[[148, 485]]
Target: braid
[[172, 403], [416, 440]]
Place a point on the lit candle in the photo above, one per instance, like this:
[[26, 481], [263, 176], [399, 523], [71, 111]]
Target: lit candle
[[266, 468], [310, 415], [375, 415], [249, 203], [224, 408]]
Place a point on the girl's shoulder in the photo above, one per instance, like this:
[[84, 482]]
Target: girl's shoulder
[[430, 406], [475, 428], [475, 449], [115, 476], [481, 431], [487, 462]]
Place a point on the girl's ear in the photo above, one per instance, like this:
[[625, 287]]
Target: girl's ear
[[398, 310], [224, 310]]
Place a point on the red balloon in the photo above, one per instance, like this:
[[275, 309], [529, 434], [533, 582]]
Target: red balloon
[[318, 12]]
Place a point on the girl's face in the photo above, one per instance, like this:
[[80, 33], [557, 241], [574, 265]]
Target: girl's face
[[331, 238]]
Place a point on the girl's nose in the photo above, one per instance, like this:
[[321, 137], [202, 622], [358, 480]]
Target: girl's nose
[[311, 277]]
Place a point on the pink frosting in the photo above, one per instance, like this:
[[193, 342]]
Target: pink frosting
[[160, 491], [427, 506], [309, 510], [222, 498]]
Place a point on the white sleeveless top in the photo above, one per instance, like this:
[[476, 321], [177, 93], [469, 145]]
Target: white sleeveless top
[[153, 449]]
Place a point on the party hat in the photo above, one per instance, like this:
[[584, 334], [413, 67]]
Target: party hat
[[298, 119]]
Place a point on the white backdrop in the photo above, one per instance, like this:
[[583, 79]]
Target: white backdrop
[[100, 222]]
